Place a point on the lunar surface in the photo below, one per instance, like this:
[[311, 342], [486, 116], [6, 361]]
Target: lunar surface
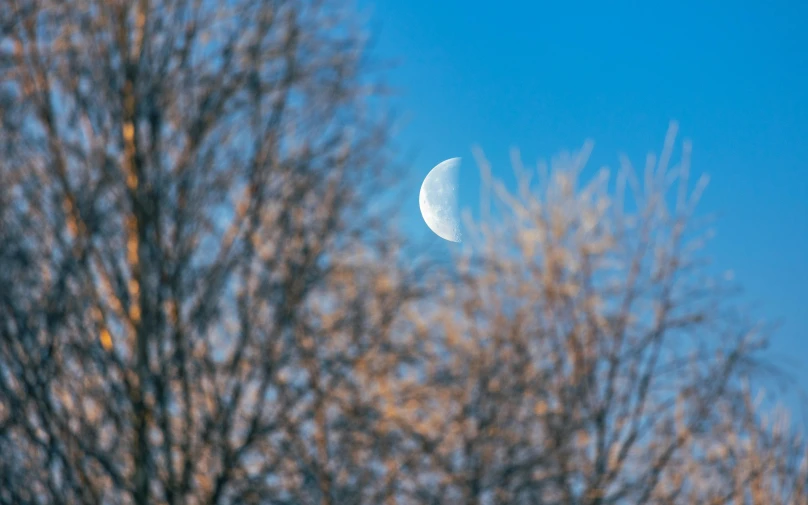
[[438, 200]]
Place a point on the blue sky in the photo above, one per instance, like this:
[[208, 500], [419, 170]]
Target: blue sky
[[545, 76]]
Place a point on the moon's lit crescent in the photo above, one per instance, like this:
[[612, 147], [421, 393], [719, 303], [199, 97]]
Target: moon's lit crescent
[[438, 200]]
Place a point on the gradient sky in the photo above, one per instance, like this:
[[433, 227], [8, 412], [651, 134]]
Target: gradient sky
[[545, 76]]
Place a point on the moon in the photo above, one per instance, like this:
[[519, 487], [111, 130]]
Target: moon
[[438, 200]]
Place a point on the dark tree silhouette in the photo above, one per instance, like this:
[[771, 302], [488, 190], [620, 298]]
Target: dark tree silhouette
[[181, 286]]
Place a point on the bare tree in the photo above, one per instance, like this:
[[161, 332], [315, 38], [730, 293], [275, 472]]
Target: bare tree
[[589, 355], [187, 275], [195, 306]]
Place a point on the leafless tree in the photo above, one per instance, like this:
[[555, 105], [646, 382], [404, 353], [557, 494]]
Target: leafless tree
[[187, 275], [196, 306], [589, 355]]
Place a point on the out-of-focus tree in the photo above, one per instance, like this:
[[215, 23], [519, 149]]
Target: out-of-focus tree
[[187, 275], [590, 356], [195, 306]]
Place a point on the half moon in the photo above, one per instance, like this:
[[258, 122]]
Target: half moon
[[438, 200]]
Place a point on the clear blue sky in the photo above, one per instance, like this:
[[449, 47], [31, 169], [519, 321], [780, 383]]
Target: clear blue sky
[[545, 76]]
